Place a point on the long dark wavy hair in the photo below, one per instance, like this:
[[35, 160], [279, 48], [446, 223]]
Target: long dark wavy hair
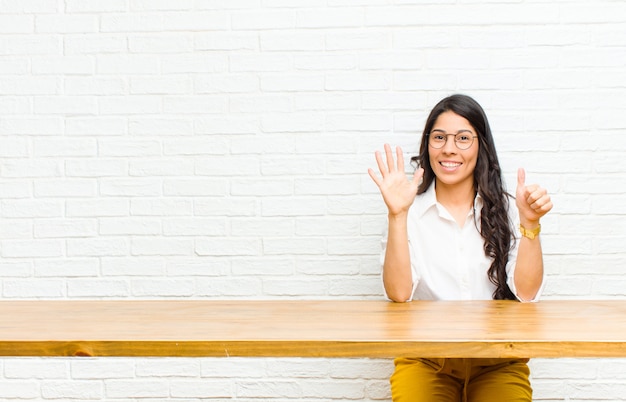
[[495, 226]]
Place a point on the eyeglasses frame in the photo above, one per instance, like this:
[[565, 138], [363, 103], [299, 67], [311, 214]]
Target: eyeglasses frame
[[441, 132]]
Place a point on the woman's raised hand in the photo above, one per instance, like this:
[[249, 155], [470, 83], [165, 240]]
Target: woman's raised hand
[[397, 190], [532, 200]]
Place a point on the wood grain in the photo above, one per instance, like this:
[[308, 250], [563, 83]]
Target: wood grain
[[590, 328]]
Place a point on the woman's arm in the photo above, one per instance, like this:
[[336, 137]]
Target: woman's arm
[[398, 194], [533, 202], [397, 277]]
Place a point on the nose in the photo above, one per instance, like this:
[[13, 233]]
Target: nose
[[449, 146]]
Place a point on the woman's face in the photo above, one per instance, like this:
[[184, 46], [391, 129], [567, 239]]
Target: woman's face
[[453, 166]]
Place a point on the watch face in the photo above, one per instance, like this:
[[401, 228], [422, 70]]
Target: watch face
[[531, 234]]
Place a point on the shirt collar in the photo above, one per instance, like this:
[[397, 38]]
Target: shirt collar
[[429, 200]]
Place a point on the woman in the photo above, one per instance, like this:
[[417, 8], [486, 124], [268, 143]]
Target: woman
[[453, 235]]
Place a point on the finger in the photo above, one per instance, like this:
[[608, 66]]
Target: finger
[[389, 156], [542, 203], [400, 158], [547, 207], [380, 163], [521, 177], [376, 179], [417, 176], [533, 194]]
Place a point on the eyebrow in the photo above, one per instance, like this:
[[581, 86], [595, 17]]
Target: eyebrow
[[465, 130]]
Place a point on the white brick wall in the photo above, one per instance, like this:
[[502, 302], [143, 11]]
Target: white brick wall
[[218, 149]]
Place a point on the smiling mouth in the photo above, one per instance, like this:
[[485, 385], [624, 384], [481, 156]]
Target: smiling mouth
[[450, 165]]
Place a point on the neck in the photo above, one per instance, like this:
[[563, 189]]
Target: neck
[[460, 195]]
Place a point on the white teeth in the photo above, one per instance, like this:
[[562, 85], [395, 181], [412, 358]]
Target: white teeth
[[450, 164]]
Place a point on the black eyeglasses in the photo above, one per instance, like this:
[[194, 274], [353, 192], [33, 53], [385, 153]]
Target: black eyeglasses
[[462, 139]]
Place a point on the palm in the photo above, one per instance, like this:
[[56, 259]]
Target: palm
[[398, 192]]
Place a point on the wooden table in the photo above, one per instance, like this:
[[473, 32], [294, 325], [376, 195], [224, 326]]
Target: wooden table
[[313, 328]]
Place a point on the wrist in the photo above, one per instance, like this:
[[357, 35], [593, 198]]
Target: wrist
[[530, 224], [398, 217], [531, 233]]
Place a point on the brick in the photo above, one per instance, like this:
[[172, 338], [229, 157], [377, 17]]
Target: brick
[[32, 44], [33, 288], [359, 41], [296, 288], [195, 187], [160, 85], [128, 226], [127, 64], [233, 287], [333, 389], [66, 227], [65, 148], [97, 207], [230, 206], [365, 81], [76, 389], [227, 247], [102, 369], [294, 246], [159, 288], [197, 266], [195, 104], [327, 266], [95, 247], [20, 389], [201, 389], [67, 268], [292, 122], [159, 43], [132, 266], [226, 41], [267, 187], [131, 187], [93, 288], [263, 266], [160, 207], [124, 147], [175, 367], [270, 19], [161, 167], [137, 104], [150, 245], [329, 17], [115, 388], [55, 23], [96, 168], [35, 369], [31, 208], [261, 227], [68, 65], [94, 43], [195, 226]]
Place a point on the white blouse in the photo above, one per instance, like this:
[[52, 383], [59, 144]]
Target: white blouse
[[448, 262]]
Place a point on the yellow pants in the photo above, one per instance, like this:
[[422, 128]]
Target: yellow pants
[[456, 380]]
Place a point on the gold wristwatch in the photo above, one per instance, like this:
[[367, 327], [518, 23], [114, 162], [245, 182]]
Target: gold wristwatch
[[531, 234]]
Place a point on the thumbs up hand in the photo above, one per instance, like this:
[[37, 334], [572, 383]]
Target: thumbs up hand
[[532, 201]]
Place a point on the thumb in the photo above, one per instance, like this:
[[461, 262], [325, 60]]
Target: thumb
[[418, 176], [521, 177]]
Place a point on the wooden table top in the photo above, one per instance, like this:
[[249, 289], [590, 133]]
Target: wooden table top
[[590, 328]]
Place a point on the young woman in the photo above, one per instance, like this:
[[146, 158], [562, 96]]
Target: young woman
[[454, 233]]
